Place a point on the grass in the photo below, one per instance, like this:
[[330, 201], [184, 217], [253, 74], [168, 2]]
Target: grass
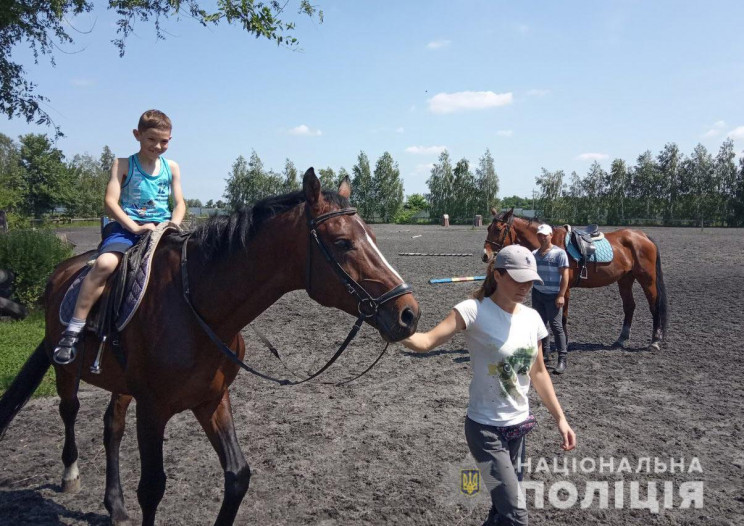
[[18, 339]]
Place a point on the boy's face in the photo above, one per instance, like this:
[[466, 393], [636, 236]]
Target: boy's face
[[153, 142]]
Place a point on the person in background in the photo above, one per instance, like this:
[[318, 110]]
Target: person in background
[[549, 296]]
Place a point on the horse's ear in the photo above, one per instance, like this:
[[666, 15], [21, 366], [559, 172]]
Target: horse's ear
[[344, 189], [494, 211], [509, 213], [311, 187]]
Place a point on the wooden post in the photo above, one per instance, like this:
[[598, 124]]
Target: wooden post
[[445, 220], [478, 221]]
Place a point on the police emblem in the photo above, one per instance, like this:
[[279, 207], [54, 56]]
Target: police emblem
[[470, 481]]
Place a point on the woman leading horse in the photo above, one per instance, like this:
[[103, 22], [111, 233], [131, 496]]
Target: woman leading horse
[[635, 258], [237, 267]]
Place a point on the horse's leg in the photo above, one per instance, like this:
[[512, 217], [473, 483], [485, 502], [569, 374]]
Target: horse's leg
[[113, 430], [564, 318], [150, 431], [216, 419], [625, 284], [648, 283], [68, 410]]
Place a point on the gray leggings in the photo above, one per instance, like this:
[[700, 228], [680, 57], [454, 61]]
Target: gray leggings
[[544, 304], [497, 462]]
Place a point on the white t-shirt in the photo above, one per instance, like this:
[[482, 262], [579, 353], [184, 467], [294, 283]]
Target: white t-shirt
[[502, 348]]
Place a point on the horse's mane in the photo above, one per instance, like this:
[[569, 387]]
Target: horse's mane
[[530, 220], [220, 236]]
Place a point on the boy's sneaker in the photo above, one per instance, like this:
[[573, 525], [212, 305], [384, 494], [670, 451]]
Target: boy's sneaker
[[65, 351]]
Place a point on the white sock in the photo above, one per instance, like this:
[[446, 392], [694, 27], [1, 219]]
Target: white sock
[[76, 325]]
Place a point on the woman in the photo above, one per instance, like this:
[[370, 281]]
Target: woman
[[504, 340]]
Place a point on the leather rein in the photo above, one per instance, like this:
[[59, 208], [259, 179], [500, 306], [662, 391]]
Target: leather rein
[[367, 306]]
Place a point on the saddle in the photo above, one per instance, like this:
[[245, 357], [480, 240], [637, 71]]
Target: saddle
[[583, 241], [122, 295]]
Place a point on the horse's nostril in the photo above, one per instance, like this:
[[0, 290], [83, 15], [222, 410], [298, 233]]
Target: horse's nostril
[[407, 317]]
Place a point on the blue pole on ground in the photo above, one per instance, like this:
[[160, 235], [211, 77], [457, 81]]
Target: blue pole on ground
[[456, 280]]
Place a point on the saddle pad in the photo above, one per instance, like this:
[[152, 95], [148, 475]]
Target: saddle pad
[[135, 287], [602, 254]]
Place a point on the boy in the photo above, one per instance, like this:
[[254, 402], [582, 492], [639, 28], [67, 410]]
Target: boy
[[137, 198]]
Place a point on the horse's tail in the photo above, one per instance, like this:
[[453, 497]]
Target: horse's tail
[[23, 387], [662, 302]]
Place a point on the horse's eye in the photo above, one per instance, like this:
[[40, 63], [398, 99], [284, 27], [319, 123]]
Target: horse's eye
[[344, 244]]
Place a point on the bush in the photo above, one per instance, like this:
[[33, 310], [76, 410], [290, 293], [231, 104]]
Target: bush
[[32, 256]]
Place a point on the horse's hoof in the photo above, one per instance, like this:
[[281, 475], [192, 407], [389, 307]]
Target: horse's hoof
[[619, 344], [654, 347], [71, 486]]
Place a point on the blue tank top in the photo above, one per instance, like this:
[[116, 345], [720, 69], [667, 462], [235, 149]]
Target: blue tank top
[[144, 197]]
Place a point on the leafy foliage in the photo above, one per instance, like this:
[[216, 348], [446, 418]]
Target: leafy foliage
[[31, 255], [42, 25], [18, 339]]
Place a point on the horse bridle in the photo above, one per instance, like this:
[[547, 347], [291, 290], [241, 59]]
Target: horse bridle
[[368, 305], [498, 245]]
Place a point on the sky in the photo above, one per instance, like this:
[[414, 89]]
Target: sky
[[539, 84]]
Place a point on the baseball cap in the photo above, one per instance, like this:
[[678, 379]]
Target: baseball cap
[[519, 263], [544, 229]]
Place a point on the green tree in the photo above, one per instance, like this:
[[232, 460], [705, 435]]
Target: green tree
[[617, 184], [44, 26], [11, 175], [363, 195], [89, 180], [46, 181], [550, 185], [669, 162], [193, 203], [440, 185], [388, 187], [726, 175], [466, 194], [646, 186], [487, 182], [594, 192], [698, 184], [327, 178], [291, 183]]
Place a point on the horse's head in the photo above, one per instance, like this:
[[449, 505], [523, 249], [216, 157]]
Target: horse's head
[[346, 270], [499, 233]]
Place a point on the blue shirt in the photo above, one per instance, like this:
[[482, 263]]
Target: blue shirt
[[549, 267], [144, 197]]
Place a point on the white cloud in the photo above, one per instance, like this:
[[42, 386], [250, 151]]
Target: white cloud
[[468, 100], [399, 129], [737, 133], [305, 130], [592, 157], [715, 130], [505, 133], [423, 168], [82, 83], [438, 44], [538, 92], [426, 150]]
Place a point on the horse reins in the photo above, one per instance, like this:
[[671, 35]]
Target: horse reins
[[368, 305]]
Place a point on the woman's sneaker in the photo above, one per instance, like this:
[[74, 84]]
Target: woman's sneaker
[[65, 351]]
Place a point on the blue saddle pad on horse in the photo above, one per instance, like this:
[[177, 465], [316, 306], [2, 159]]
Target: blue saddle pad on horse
[[603, 253], [136, 283]]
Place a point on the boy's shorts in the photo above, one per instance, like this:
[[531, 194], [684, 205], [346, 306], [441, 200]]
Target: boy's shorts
[[116, 238]]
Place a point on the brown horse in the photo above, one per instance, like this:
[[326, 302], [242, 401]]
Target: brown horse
[[238, 266], [635, 257]]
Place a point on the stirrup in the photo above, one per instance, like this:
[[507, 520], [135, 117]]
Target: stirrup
[[65, 352]]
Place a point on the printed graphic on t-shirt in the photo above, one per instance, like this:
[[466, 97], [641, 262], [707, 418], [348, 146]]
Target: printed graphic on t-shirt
[[506, 371]]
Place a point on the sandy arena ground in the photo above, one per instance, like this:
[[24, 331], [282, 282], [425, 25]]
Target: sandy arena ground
[[389, 448]]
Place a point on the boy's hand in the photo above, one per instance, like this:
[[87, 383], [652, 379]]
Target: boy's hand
[[567, 434], [143, 229]]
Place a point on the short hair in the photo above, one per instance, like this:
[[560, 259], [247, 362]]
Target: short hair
[[154, 119]]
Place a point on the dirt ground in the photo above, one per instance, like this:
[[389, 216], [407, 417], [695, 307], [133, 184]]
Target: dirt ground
[[389, 448]]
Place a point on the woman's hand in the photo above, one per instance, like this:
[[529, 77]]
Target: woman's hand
[[568, 435]]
